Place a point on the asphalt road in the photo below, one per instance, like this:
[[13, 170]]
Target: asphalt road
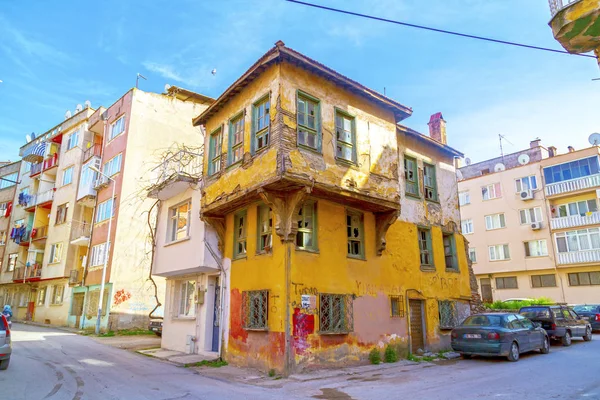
[[56, 365]]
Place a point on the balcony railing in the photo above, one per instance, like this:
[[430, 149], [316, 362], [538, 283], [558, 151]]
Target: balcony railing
[[33, 272], [573, 185], [21, 236], [579, 257], [182, 163], [41, 232], [74, 277], [100, 182], [93, 151], [557, 5], [44, 197], [591, 218], [50, 162], [81, 233], [35, 169]]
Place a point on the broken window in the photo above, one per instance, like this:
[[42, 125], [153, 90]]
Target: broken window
[[306, 238], [215, 144], [345, 137], [430, 182], [354, 229], [308, 116], [425, 247], [450, 251], [236, 139], [240, 229], [265, 229], [260, 123], [411, 176]]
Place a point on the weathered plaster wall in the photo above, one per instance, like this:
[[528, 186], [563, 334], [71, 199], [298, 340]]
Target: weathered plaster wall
[[577, 26]]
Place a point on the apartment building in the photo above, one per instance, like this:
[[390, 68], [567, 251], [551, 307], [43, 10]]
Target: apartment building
[[531, 221], [9, 177], [125, 142], [339, 228], [43, 222]]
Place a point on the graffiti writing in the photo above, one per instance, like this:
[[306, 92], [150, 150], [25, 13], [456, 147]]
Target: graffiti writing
[[121, 296], [443, 283], [371, 289], [304, 290]]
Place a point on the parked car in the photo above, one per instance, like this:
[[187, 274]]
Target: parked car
[[591, 312], [498, 334], [560, 322], [156, 326], [5, 343], [516, 299]]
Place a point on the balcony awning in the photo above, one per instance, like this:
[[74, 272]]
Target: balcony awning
[[35, 153]]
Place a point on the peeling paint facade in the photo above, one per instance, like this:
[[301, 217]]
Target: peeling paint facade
[[323, 249]]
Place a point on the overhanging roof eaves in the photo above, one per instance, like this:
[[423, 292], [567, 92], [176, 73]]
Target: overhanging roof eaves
[[280, 52], [428, 140]]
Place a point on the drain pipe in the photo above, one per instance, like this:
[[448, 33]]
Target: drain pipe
[[408, 326]]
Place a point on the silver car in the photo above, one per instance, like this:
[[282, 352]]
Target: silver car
[[5, 343]]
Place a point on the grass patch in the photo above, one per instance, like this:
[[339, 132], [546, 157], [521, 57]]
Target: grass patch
[[428, 358], [107, 334], [206, 363], [134, 332], [375, 356], [413, 358], [515, 305], [390, 355]]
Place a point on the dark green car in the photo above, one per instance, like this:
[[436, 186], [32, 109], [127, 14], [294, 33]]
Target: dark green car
[[499, 334]]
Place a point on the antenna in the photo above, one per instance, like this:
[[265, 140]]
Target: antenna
[[500, 137], [594, 139], [137, 79]]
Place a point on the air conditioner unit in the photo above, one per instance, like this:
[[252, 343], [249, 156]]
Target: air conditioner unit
[[536, 226], [526, 195]]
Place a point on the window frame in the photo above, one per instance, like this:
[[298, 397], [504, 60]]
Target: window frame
[[451, 316], [577, 234], [584, 273], [504, 279], [53, 295], [215, 152], [338, 112], [231, 146], [527, 213], [361, 238], [264, 248], [492, 187], [317, 130], [505, 246], [567, 208], [466, 195], [398, 312], [62, 213], [312, 232], [110, 164], [428, 250], [433, 189], [467, 223], [41, 297], [12, 262], [452, 246], [13, 177], [501, 217], [111, 134], [473, 259], [347, 319], [251, 321], [192, 306], [98, 254], [70, 169], [70, 145], [528, 252], [265, 131], [411, 182], [101, 213], [549, 172], [519, 183], [238, 239], [541, 284], [3, 238], [56, 250], [173, 218]]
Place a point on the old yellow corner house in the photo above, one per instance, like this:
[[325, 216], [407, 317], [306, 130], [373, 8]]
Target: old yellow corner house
[[327, 256]]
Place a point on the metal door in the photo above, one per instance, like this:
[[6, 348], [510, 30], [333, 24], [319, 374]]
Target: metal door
[[486, 290], [417, 329], [216, 314]]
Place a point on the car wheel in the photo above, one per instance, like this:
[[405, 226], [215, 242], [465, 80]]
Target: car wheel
[[465, 356], [545, 346], [566, 340], [4, 364], [588, 334], [513, 354]]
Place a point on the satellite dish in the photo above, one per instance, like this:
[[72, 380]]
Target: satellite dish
[[594, 139], [28, 138], [468, 161], [59, 128], [523, 159], [459, 175], [78, 108], [32, 135], [167, 87], [87, 104], [68, 114], [499, 167], [214, 71]]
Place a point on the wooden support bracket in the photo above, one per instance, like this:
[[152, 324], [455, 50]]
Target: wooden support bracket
[[285, 207], [383, 221], [218, 223]]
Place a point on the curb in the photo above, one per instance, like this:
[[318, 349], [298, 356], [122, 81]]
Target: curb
[[61, 328]]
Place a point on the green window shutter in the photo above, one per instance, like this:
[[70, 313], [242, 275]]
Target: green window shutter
[[318, 126], [253, 129], [229, 143]]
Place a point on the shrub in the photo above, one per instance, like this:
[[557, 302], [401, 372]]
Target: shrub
[[390, 355], [375, 356], [515, 305]]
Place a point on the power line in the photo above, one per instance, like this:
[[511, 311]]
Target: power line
[[527, 46]]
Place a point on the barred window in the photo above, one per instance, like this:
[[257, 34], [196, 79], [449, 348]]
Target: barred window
[[448, 314], [397, 306], [255, 310], [336, 313]]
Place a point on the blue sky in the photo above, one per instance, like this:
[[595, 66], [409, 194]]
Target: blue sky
[[56, 55]]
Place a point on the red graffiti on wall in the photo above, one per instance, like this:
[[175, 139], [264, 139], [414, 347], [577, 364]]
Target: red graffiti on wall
[[121, 296], [236, 330], [304, 325]]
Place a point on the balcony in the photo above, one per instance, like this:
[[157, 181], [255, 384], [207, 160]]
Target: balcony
[[27, 201], [574, 24], [45, 198], [175, 174], [100, 182], [93, 151], [573, 185], [591, 218], [28, 274], [579, 257], [50, 162], [22, 236], [39, 233], [35, 169], [74, 277], [81, 233]]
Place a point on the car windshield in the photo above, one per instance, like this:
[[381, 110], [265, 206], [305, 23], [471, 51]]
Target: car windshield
[[534, 312], [584, 309], [484, 320]]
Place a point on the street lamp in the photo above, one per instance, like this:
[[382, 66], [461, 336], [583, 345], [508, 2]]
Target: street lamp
[[106, 246]]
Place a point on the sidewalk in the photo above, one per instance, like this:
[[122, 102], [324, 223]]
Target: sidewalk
[[177, 357]]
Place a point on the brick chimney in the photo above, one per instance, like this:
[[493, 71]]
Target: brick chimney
[[552, 151], [437, 128], [534, 143]]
